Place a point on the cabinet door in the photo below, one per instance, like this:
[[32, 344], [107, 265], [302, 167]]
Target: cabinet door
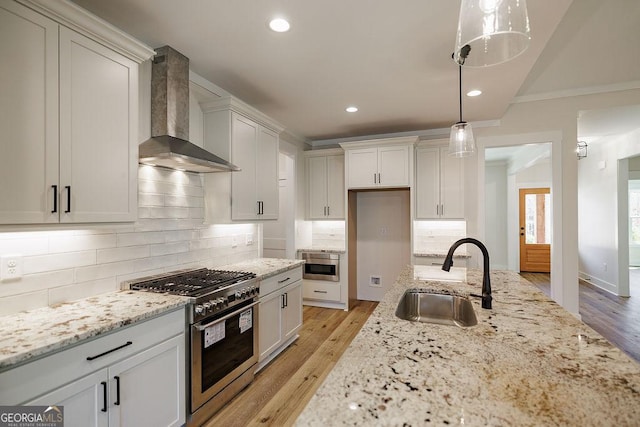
[[363, 168], [28, 115], [244, 204], [393, 166], [83, 401], [292, 312], [267, 179], [98, 131], [150, 387], [451, 186], [270, 326], [427, 183], [335, 187], [317, 187]]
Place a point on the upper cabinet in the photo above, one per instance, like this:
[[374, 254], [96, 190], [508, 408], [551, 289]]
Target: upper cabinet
[[439, 185], [249, 140], [325, 184], [68, 111], [383, 163]]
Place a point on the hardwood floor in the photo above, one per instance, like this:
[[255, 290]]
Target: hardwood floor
[[281, 390], [615, 318]]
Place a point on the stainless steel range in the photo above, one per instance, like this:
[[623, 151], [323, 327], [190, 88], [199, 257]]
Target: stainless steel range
[[223, 331]]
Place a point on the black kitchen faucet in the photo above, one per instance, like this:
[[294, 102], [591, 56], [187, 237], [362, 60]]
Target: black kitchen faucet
[[486, 281]]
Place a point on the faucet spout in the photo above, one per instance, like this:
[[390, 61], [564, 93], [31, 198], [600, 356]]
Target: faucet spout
[[486, 280]]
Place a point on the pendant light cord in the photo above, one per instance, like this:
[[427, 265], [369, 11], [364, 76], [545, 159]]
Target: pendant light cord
[[464, 52], [460, 88]]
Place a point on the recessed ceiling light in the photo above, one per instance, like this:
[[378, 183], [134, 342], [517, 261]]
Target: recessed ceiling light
[[474, 92], [351, 109], [279, 25]]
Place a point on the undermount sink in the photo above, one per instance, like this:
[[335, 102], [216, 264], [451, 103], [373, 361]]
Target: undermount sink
[[423, 305]]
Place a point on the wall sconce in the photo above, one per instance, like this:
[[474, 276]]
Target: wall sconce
[[581, 150]]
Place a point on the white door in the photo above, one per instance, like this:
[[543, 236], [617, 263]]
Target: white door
[[427, 186], [28, 116], [393, 166], [270, 329], [451, 186], [317, 187], [98, 131], [244, 205], [85, 401], [267, 187], [363, 168], [335, 187], [147, 390], [292, 312]]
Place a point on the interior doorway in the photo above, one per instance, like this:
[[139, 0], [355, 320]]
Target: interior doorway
[[535, 230]]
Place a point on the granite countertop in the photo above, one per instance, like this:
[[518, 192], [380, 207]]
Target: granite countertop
[[440, 254], [323, 250], [263, 267], [34, 333], [527, 362]]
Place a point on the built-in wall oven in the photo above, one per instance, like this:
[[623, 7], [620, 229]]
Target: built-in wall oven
[[222, 331], [321, 266]]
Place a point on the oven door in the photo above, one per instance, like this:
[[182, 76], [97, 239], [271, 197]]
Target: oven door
[[222, 349]]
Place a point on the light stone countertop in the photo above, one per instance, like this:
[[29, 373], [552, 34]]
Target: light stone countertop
[[440, 254], [263, 267], [29, 334], [323, 249], [528, 362]]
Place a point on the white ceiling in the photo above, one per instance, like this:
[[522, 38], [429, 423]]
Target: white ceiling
[[391, 59]]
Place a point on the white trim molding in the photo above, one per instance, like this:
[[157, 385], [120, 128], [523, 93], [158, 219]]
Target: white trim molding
[[568, 93]]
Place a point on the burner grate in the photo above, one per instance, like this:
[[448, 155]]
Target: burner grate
[[194, 283]]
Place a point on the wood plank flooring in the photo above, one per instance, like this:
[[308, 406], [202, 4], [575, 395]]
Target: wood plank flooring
[[615, 318], [281, 390]]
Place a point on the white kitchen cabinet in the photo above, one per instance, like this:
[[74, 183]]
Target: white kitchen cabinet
[[325, 184], [280, 313], [236, 132], [136, 377], [384, 163], [439, 184], [69, 117]]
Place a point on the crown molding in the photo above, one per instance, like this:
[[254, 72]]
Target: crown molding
[[568, 93]]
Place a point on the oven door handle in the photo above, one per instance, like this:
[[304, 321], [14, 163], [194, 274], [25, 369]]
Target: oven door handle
[[201, 327]]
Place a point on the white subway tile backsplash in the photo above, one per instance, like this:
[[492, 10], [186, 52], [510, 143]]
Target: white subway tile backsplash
[[66, 264], [61, 261]]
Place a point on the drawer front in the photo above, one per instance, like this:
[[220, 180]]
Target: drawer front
[[321, 290], [273, 283], [29, 381]]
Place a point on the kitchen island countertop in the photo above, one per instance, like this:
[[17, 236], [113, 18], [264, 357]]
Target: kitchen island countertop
[[263, 267], [527, 362]]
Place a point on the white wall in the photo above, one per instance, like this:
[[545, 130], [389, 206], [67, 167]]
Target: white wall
[[495, 195], [383, 239], [598, 198]]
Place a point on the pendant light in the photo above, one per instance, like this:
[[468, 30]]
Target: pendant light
[[496, 31], [461, 143]]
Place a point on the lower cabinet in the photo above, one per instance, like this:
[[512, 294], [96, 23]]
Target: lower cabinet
[[137, 383], [280, 314]]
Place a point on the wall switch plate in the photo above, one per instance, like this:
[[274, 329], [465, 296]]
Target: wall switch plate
[[10, 267]]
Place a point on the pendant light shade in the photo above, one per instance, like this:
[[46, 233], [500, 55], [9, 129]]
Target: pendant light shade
[[461, 143], [496, 31]]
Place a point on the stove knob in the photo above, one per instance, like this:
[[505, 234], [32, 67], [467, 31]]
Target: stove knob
[[214, 304], [238, 294], [199, 309], [224, 301]]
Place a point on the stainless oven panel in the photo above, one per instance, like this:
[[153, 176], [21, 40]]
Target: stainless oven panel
[[222, 366], [321, 266]]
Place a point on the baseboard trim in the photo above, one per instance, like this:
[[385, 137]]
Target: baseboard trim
[[599, 283]]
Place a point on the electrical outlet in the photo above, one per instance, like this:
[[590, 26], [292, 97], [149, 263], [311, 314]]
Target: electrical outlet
[[375, 281], [234, 241], [249, 240], [10, 267], [604, 266]]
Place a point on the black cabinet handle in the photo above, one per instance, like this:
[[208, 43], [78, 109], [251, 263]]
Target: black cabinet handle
[[117, 402], [375, 180], [284, 280], [282, 301], [68, 188], [104, 398], [379, 180], [286, 299], [319, 292], [128, 343], [55, 198]]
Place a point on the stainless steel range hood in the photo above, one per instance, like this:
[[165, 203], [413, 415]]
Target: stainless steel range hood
[[168, 146]]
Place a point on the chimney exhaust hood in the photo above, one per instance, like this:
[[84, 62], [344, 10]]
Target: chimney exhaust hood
[[168, 146]]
